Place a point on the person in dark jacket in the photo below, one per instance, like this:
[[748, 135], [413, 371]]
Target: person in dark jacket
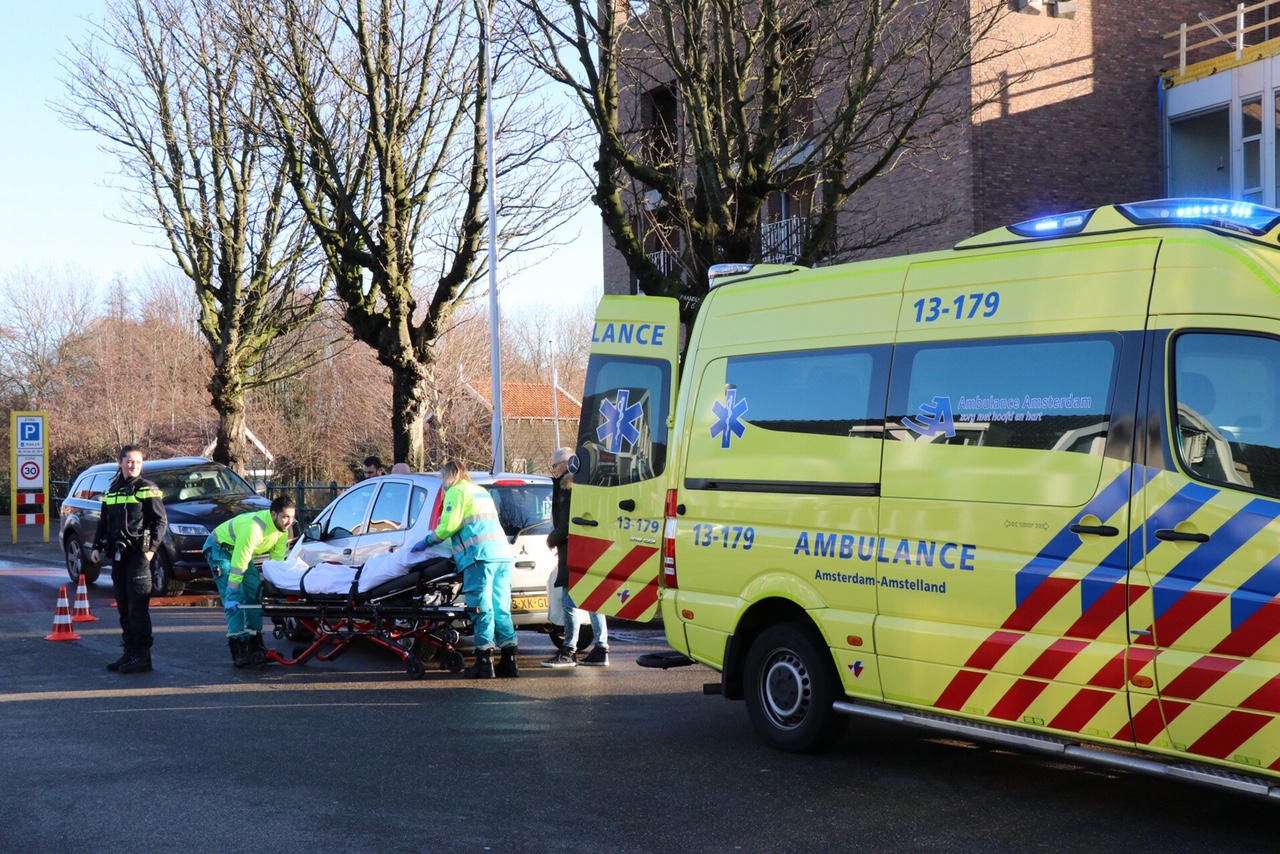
[[558, 539], [131, 529]]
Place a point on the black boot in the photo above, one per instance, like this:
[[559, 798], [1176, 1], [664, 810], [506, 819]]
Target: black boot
[[139, 660], [483, 668], [257, 650], [506, 666], [239, 651], [124, 657]]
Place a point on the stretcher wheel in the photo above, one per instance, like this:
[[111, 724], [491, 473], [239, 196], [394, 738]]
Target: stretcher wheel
[[414, 667], [454, 661]]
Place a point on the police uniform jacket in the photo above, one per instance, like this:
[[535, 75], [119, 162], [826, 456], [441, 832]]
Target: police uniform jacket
[[132, 513]]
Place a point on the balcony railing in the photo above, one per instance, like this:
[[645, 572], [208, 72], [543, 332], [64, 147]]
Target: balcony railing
[[1213, 37], [780, 241]]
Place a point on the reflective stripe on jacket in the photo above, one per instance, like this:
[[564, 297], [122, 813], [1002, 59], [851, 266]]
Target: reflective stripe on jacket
[[470, 521], [248, 535]]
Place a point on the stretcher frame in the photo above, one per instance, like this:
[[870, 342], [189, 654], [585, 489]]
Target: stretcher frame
[[417, 617]]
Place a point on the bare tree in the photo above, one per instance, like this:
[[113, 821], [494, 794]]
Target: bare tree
[[41, 309], [168, 89], [379, 111], [707, 109]]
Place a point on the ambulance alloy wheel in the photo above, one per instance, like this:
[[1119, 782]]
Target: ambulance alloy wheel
[[790, 686]]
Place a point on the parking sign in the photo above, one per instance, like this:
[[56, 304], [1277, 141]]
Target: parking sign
[[28, 471], [30, 434]]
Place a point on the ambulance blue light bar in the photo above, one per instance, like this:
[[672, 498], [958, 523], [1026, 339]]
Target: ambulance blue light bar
[[1053, 226], [1230, 215]]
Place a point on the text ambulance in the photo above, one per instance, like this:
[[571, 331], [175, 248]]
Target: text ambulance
[[1027, 489]]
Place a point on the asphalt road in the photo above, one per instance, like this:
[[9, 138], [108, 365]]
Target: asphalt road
[[353, 756]]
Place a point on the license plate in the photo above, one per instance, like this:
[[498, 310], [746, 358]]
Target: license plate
[[528, 603]]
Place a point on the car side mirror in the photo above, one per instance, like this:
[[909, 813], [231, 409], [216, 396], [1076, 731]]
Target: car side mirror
[[260, 487], [312, 532]]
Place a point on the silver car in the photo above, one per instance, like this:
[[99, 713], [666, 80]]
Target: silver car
[[392, 511]]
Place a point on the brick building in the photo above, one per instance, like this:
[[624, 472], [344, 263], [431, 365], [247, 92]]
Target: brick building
[[1094, 114], [530, 417]]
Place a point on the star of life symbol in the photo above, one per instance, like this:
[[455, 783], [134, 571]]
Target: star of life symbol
[[619, 422], [729, 417], [934, 418]]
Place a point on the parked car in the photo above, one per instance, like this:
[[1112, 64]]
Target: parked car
[[393, 511], [199, 495]]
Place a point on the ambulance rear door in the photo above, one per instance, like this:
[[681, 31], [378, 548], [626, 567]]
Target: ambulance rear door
[[615, 530]]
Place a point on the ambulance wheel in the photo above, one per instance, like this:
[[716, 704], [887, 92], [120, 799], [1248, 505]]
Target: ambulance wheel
[[453, 661], [414, 667], [790, 687]]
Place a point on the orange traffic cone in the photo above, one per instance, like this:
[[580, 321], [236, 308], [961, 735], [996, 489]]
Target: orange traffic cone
[[80, 614], [62, 620]]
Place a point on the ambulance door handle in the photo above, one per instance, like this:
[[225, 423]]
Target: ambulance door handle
[[1179, 536], [590, 523], [1100, 530], [627, 504]]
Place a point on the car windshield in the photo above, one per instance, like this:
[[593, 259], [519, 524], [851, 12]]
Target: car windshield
[[201, 483], [521, 506]]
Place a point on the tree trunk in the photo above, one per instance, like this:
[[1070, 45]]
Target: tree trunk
[[228, 401], [408, 406]]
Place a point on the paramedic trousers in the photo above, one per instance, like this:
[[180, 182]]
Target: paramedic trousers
[[133, 606], [487, 588], [573, 619], [242, 622]]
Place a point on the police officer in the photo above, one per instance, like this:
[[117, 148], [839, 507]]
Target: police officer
[[131, 529], [230, 550], [482, 553]]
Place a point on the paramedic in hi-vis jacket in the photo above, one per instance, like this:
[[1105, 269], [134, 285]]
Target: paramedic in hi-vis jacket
[[230, 550], [482, 554], [132, 528]]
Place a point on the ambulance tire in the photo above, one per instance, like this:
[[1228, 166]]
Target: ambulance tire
[[791, 685]]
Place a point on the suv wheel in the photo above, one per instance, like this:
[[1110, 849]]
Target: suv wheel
[[77, 563], [162, 581]]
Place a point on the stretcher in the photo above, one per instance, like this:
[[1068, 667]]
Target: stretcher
[[418, 616]]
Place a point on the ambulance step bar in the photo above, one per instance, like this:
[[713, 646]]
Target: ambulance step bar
[[1072, 750]]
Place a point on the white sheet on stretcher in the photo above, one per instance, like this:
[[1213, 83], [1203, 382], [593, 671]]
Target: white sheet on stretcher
[[337, 577]]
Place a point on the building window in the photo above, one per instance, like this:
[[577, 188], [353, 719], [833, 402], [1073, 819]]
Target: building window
[[1251, 150], [658, 120], [1200, 155], [1049, 8]]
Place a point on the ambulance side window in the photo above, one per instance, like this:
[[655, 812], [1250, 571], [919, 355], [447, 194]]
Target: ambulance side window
[[1043, 393], [836, 392], [622, 436], [1226, 393]]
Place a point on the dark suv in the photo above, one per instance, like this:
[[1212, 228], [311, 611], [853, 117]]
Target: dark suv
[[199, 495]]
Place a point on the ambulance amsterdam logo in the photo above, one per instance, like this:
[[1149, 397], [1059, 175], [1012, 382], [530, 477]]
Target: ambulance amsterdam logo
[[856, 668], [619, 422], [934, 418], [729, 417], [624, 595]]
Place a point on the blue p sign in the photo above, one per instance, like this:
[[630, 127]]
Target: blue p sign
[[29, 431]]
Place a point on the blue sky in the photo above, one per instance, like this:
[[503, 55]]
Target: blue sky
[[58, 205]]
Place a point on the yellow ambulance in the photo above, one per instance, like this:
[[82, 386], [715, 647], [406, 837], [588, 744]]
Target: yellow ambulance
[[1024, 490]]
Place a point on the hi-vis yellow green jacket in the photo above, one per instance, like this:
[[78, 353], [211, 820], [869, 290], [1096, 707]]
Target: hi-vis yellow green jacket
[[249, 535]]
